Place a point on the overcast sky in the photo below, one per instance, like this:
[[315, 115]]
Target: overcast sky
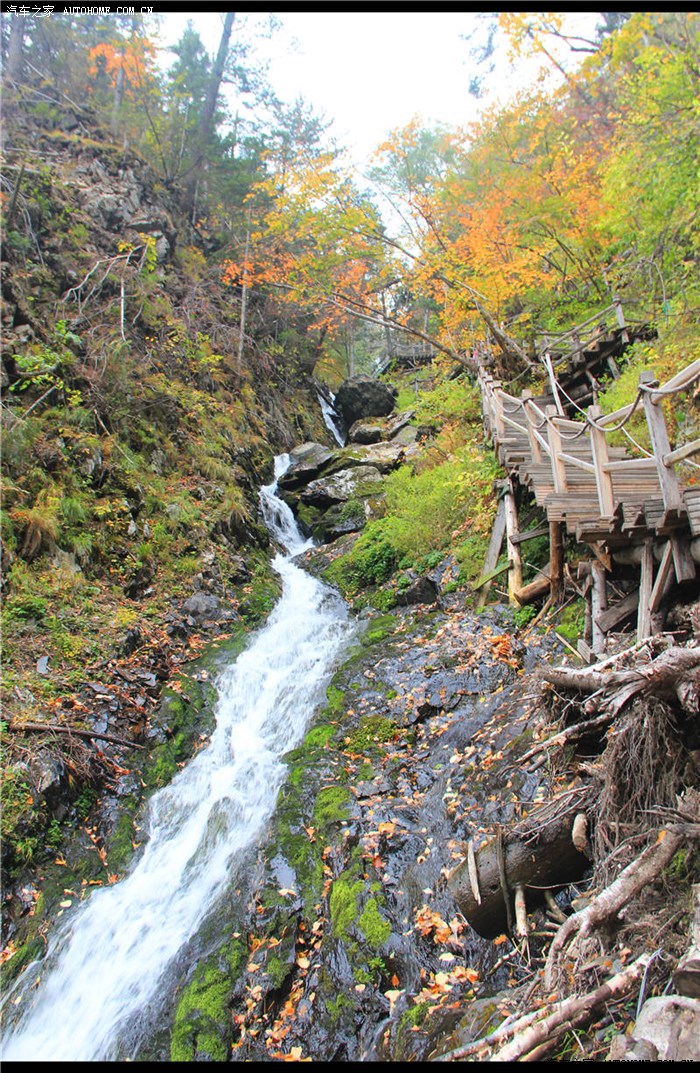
[[371, 72]]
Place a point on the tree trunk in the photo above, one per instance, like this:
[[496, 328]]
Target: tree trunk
[[205, 126], [206, 120], [15, 54], [529, 856]]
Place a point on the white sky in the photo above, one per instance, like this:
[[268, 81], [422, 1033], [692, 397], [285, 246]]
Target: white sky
[[371, 72]]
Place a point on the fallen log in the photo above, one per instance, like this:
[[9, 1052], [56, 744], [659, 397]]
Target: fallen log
[[539, 586], [537, 1038], [537, 854], [540, 1030]]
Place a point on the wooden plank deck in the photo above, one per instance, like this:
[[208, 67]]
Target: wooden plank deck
[[600, 494]]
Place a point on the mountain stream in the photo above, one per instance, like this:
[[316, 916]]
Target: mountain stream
[[91, 997]]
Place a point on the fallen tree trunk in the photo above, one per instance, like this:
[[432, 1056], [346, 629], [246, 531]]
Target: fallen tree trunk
[[540, 1030], [537, 1038], [539, 586], [539, 853]]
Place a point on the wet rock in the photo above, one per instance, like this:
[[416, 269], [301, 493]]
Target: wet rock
[[306, 463], [421, 591], [364, 432], [139, 582], [667, 1030], [202, 607], [342, 486], [362, 396], [48, 778], [382, 456]]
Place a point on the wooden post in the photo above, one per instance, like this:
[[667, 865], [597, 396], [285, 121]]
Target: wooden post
[[500, 428], [599, 451], [670, 488], [599, 604], [556, 561], [646, 580], [620, 317], [515, 573], [494, 549], [535, 448], [555, 452], [547, 361]]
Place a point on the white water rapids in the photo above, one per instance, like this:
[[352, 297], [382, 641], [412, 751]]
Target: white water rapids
[[107, 964]]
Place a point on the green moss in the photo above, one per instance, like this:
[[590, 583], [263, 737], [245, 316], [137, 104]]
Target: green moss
[[336, 701], [277, 970], [571, 621], [373, 731], [375, 928], [335, 1006], [416, 1015], [202, 1026], [343, 904], [378, 629], [123, 838], [331, 806], [318, 736]]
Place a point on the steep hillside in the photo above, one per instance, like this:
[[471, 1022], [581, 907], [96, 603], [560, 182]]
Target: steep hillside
[[137, 429]]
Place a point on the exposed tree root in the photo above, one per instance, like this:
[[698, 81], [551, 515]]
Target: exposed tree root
[[607, 905], [539, 1031]]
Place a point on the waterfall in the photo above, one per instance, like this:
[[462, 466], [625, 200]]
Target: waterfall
[[333, 420], [93, 995]]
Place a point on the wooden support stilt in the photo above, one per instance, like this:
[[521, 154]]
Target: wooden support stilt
[[599, 604], [682, 558], [556, 561], [493, 551], [599, 452], [670, 487], [664, 577], [515, 574], [646, 581]]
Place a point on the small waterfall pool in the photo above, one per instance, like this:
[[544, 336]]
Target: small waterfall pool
[[101, 977]]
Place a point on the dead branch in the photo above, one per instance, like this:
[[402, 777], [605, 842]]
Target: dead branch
[[542, 1028], [562, 736], [631, 880], [573, 1011], [20, 728]]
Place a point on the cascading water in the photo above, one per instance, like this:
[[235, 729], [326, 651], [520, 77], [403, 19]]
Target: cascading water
[[332, 420], [106, 966]]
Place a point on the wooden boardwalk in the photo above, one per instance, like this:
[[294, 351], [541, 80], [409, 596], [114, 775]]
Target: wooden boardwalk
[[631, 511]]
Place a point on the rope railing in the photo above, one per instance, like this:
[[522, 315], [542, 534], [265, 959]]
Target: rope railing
[[548, 430]]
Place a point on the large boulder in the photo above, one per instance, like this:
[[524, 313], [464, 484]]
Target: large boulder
[[305, 464], [358, 482], [362, 396]]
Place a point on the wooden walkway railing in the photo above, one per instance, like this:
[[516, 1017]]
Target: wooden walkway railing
[[632, 509]]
